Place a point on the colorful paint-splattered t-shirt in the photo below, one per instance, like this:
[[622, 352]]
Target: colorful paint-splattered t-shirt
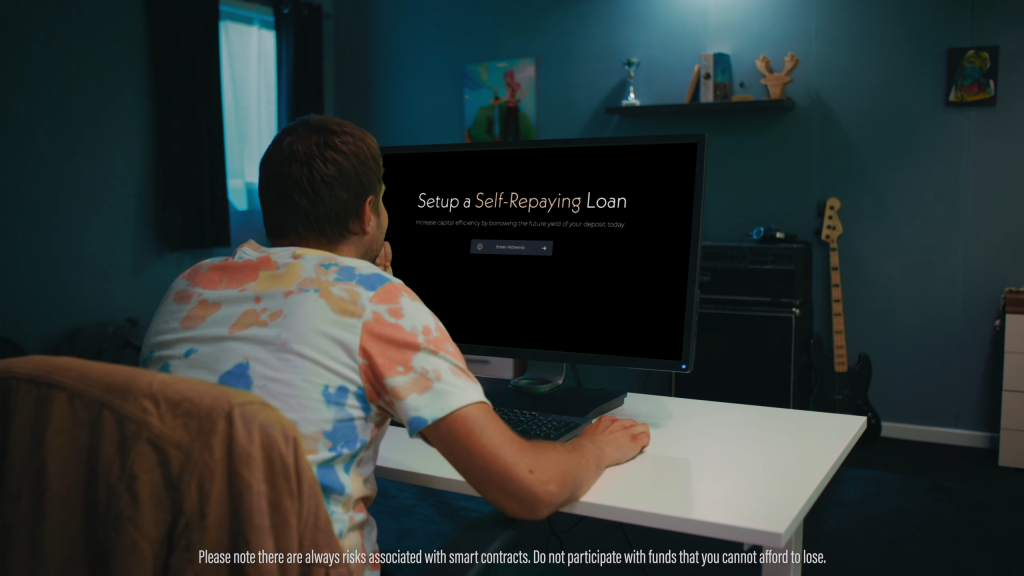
[[335, 344]]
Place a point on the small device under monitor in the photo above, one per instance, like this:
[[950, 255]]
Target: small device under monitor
[[555, 251]]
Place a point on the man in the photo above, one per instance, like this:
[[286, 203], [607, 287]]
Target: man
[[318, 326]]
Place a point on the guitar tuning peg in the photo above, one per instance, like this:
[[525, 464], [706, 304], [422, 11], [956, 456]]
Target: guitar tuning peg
[[821, 209], [817, 231]]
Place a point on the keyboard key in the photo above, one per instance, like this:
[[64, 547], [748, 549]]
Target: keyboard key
[[538, 425]]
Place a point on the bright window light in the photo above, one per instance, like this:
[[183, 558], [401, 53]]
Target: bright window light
[[248, 72]]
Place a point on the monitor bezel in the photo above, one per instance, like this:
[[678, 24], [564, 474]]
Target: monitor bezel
[[685, 363]]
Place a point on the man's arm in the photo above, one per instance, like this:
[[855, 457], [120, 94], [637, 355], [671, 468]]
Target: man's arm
[[525, 479]]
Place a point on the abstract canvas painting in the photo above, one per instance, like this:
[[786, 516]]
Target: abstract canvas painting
[[500, 100], [971, 76]]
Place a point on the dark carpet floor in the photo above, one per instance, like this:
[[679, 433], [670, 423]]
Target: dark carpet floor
[[894, 507]]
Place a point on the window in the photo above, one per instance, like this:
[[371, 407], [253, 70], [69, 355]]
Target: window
[[248, 68]]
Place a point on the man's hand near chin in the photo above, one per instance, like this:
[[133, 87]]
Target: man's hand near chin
[[383, 260]]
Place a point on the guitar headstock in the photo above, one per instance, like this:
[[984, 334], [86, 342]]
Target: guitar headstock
[[831, 227]]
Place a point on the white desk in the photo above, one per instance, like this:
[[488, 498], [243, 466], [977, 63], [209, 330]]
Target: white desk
[[728, 471]]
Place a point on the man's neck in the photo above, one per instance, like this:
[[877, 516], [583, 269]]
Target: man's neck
[[349, 250], [346, 249]]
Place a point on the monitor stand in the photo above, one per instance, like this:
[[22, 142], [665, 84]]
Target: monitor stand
[[540, 377], [540, 389]]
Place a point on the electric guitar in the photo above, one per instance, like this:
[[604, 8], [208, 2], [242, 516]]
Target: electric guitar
[[840, 389]]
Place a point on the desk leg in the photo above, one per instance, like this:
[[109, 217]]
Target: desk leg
[[795, 545]]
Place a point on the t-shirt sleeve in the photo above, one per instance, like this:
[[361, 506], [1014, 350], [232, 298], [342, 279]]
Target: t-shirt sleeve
[[408, 362]]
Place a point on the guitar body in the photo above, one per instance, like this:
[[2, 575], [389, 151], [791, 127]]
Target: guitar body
[[843, 392]]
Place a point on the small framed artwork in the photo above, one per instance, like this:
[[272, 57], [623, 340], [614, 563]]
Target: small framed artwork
[[972, 76], [500, 100]]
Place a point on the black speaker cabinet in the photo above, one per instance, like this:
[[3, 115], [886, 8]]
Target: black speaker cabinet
[[754, 326]]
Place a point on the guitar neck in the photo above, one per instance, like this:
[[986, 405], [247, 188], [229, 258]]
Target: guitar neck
[[838, 323]]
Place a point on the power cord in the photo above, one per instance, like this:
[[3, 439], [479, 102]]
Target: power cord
[[630, 542], [646, 378], [557, 534], [576, 375]]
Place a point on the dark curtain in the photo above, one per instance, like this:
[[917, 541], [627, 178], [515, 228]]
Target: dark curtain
[[300, 59], [191, 179]]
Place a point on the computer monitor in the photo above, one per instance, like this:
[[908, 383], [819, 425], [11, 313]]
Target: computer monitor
[[575, 251]]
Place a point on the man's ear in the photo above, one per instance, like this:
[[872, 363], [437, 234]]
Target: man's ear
[[367, 215]]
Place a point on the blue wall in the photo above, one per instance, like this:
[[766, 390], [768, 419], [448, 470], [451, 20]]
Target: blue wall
[[931, 196], [76, 182]]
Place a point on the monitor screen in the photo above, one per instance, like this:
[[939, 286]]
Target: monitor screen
[[560, 250]]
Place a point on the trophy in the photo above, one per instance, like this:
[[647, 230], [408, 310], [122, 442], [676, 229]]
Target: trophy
[[631, 64]]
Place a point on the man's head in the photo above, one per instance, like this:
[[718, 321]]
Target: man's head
[[321, 187]]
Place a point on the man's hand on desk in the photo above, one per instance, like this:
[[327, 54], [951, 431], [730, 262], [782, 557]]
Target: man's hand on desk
[[531, 479], [620, 440]]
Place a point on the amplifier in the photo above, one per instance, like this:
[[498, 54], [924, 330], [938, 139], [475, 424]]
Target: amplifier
[[776, 273], [754, 326]]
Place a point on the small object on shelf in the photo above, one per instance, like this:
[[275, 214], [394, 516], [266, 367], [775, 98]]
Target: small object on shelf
[[769, 234], [656, 109], [742, 92], [630, 64], [776, 83], [716, 77], [693, 84], [707, 81]]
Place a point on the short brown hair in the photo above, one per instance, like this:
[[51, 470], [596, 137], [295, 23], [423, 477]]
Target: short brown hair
[[314, 178]]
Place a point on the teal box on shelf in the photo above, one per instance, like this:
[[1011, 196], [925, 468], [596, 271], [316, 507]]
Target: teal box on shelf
[[715, 77]]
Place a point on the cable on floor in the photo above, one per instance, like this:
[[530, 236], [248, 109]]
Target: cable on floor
[[557, 534], [630, 542]]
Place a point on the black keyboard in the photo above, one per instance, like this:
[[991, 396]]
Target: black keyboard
[[541, 426]]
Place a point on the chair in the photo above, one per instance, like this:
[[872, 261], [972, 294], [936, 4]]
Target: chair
[[109, 469]]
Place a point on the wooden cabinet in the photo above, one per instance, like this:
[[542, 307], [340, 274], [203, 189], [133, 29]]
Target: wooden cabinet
[[1011, 435]]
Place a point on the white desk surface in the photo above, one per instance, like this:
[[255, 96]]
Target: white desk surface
[[728, 471]]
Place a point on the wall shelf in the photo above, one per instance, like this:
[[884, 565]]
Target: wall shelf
[[654, 109]]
